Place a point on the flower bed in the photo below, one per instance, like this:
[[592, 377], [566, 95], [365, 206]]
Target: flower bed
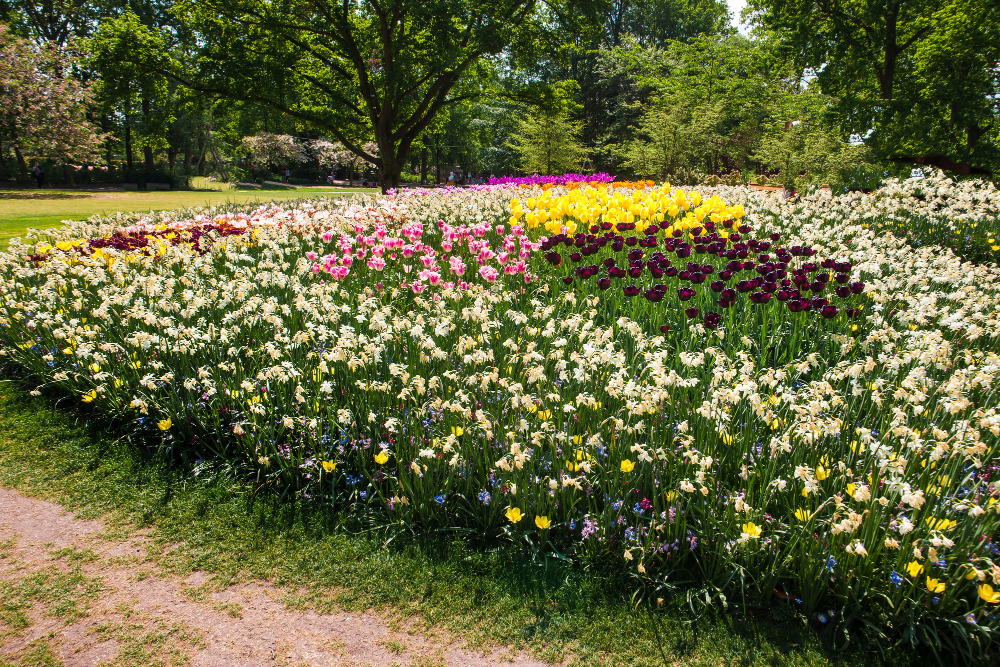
[[756, 400]]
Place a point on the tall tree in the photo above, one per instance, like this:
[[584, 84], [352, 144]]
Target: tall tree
[[43, 109], [129, 58], [907, 74], [372, 69]]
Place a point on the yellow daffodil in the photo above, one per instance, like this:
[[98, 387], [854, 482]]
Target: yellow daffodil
[[457, 431], [329, 466], [802, 515], [513, 514], [164, 424], [542, 522], [821, 473], [914, 568], [89, 396], [752, 530]]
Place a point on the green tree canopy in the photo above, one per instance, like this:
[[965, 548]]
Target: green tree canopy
[[375, 69]]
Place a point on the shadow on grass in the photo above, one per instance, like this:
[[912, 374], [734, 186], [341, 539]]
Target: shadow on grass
[[495, 594], [42, 195]]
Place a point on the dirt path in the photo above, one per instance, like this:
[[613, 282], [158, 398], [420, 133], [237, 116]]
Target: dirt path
[[76, 597]]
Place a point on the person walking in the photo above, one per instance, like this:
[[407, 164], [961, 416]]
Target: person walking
[[39, 175]]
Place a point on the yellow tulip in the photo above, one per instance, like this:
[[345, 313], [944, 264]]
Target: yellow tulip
[[934, 586], [89, 396], [542, 522], [382, 457], [628, 465], [513, 514], [821, 473], [457, 431], [164, 424], [751, 529], [802, 515], [914, 568], [987, 593], [329, 466]]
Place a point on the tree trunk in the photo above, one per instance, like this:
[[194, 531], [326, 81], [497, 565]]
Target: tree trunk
[[888, 70], [21, 164], [423, 166], [350, 174], [147, 150], [128, 147], [389, 171]]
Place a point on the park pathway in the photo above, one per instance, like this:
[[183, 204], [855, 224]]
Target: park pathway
[[85, 596]]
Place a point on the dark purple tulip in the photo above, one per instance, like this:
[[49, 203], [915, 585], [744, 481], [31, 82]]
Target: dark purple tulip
[[609, 262], [841, 278], [604, 283], [698, 278], [712, 320], [553, 258], [823, 278], [816, 286], [775, 236], [568, 280], [760, 297], [685, 293], [670, 272], [631, 241], [857, 288], [576, 257], [653, 295], [630, 290], [635, 271], [664, 328], [635, 255], [782, 295], [691, 312], [717, 285], [843, 291], [726, 275], [829, 311]]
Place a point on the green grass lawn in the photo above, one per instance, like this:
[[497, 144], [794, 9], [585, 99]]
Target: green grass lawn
[[221, 525], [21, 209]]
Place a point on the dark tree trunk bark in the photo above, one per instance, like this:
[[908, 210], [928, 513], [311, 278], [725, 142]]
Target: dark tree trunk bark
[[423, 166], [129, 160], [21, 164], [887, 73], [147, 151], [389, 171]]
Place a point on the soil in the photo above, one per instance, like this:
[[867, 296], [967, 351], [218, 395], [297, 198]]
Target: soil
[[139, 615]]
